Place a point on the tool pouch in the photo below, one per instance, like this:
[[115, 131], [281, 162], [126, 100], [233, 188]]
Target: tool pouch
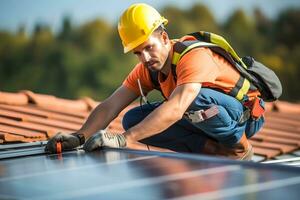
[[256, 107]]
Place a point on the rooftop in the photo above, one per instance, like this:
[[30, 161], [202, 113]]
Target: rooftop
[[29, 117]]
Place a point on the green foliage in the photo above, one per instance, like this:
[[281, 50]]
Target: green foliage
[[88, 60], [287, 29]]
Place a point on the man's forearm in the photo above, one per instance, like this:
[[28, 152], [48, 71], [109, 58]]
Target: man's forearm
[[98, 119], [108, 110]]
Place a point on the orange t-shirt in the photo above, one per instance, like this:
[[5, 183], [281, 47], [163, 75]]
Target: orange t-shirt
[[200, 65]]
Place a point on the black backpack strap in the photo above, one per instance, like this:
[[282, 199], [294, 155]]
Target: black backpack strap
[[201, 36], [173, 70], [154, 79]]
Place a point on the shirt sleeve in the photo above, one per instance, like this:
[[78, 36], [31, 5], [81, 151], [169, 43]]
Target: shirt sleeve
[[141, 73], [197, 66]]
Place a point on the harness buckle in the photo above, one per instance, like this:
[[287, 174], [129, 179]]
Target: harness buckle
[[201, 115], [196, 116]]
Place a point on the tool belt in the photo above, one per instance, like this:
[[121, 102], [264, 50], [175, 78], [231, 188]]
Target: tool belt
[[254, 109], [201, 115]]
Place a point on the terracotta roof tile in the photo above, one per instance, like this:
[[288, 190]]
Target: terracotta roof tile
[[51, 102], [49, 131], [280, 140], [281, 126], [283, 148], [8, 137], [90, 103], [283, 106], [27, 116], [280, 134], [13, 98], [266, 152], [39, 120], [284, 115], [35, 111], [22, 132]]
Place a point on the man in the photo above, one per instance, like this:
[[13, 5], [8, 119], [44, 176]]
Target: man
[[203, 79]]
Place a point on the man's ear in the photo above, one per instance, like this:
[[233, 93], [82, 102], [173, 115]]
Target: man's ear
[[165, 37]]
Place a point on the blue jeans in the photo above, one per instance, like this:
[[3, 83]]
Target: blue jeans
[[185, 136]]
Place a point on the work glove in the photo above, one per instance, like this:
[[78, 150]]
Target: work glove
[[104, 139], [68, 142]]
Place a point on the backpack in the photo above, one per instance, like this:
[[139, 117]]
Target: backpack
[[254, 75]]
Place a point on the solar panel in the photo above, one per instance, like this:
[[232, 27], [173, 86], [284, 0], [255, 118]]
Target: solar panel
[[129, 174]]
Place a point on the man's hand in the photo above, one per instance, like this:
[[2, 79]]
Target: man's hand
[[68, 142], [104, 139]]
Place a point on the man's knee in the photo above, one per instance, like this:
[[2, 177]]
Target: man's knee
[[137, 114], [130, 118]]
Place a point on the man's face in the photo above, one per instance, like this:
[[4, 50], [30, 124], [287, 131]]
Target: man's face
[[154, 52]]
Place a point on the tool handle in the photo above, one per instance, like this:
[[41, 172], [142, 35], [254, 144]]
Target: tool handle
[[58, 147]]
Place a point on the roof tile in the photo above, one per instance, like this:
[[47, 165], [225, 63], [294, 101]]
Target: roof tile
[[8, 137], [280, 140], [49, 101], [283, 148], [35, 111], [39, 120], [283, 106], [22, 132], [293, 134], [50, 131], [266, 152], [13, 98]]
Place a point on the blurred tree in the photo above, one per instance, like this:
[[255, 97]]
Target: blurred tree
[[178, 25], [240, 32], [263, 23], [287, 28], [287, 42], [41, 42], [66, 30], [202, 19], [264, 31], [6, 61], [92, 36], [12, 57]]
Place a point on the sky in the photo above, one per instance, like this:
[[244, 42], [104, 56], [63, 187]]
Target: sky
[[14, 13]]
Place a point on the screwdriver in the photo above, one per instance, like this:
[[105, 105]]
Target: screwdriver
[[58, 147]]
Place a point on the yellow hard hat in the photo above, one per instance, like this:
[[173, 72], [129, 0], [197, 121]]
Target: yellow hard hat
[[137, 23]]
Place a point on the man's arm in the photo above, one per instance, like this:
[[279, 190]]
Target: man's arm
[[107, 111], [164, 116]]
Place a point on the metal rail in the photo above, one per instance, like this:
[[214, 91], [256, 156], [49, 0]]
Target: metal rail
[[5, 147], [289, 161], [23, 149]]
